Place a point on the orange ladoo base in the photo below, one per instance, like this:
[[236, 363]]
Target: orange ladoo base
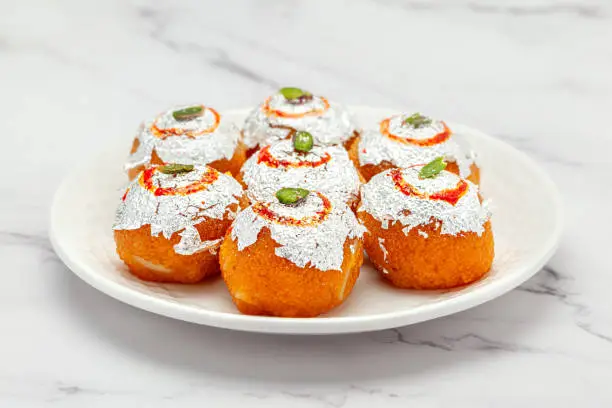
[[437, 262], [154, 259], [261, 283]]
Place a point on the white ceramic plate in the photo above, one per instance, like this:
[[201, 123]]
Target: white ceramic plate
[[527, 225]]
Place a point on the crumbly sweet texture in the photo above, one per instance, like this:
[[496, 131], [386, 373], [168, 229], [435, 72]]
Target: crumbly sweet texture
[[223, 165], [153, 258], [474, 176], [368, 171], [262, 283], [353, 141], [424, 258]]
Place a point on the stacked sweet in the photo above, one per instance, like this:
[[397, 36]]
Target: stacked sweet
[[289, 232]]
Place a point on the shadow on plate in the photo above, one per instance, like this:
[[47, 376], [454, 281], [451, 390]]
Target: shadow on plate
[[459, 340]]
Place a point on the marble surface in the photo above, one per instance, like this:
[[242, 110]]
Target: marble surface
[[535, 73]]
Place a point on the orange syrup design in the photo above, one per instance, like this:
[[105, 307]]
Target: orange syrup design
[[451, 196], [263, 210], [294, 115], [192, 134], [434, 140], [265, 156], [146, 181]]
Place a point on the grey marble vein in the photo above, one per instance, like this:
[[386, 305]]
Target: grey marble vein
[[76, 390], [579, 10], [55, 53], [256, 395], [375, 391], [468, 341], [73, 71], [547, 10], [221, 59], [587, 327], [401, 338], [213, 56], [63, 391], [477, 342], [335, 400], [226, 63], [551, 282], [549, 285], [11, 238]]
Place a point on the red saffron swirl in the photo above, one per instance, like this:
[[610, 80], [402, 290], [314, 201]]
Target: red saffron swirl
[[265, 156], [263, 210], [192, 134], [146, 181], [451, 196], [434, 140], [294, 115]]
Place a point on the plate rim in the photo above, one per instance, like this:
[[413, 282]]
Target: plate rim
[[316, 325]]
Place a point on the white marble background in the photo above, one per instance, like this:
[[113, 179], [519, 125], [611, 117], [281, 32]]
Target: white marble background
[[536, 73]]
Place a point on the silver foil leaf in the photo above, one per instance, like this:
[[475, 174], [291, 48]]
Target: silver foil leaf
[[375, 147], [328, 122], [204, 193], [383, 200], [201, 140], [319, 244], [326, 169]]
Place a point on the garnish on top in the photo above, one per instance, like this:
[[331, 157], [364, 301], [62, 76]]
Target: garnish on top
[[416, 120], [188, 113], [295, 95], [302, 141], [174, 168], [433, 168], [290, 196]]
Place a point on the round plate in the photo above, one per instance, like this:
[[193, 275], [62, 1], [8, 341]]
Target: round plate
[[527, 225]]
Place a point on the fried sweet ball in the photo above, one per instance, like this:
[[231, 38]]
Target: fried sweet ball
[[188, 135], [172, 219], [293, 109], [402, 141], [153, 258], [292, 260], [326, 169], [426, 233]]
